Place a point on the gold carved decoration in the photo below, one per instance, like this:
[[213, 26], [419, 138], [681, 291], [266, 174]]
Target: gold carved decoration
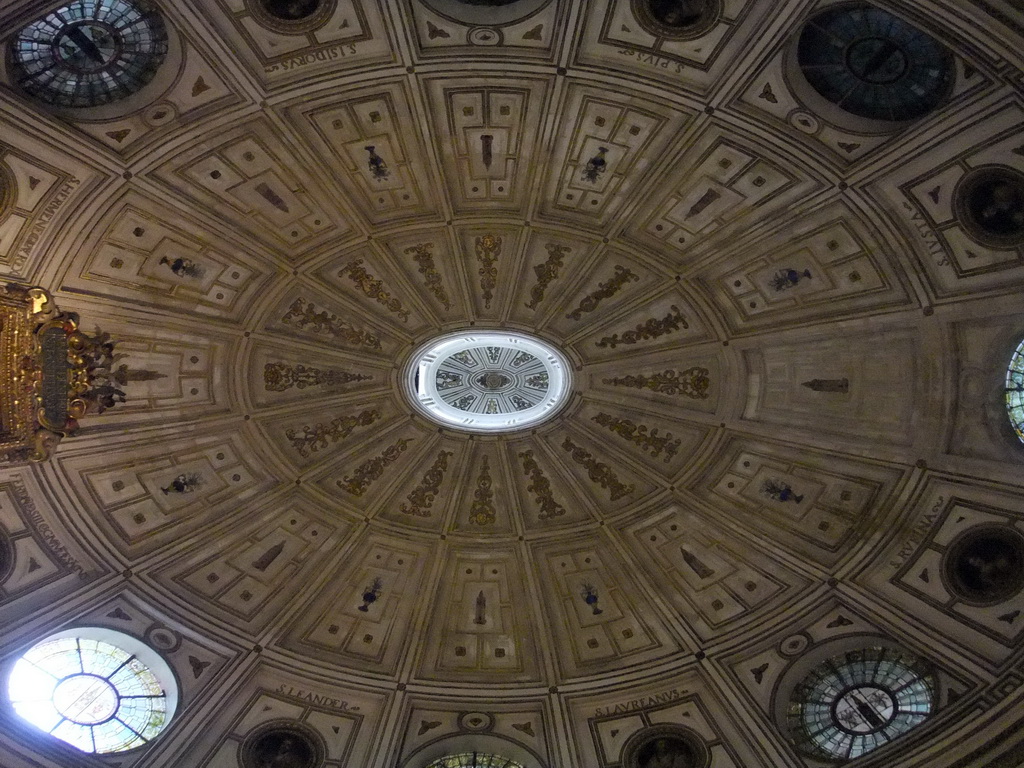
[[319, 436], [432, 278], [651, 329], [604, 290], [647, 439], [371, 469], [373, 288], [53, 374], [540, 486], [482, 511], [303, 314], [278, 377], [422, 497], [693, 382], [488, 249], [546, 273], [598, 471]]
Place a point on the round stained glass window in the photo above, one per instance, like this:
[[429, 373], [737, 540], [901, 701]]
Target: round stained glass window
[[488, 381], [856, 702], [95, 696], [474, 760], [90, 52], [1015, 391], [873, 64]]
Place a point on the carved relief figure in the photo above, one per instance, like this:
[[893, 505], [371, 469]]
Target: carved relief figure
[[666, 752]]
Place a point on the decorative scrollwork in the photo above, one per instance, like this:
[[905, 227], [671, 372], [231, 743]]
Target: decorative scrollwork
[[540, 486], [639, 434], [604, 290], [370, 470], [650, 329], [488, 249], [422, 497], [432, 278], [546, 273], [373, 288], [278, 377], [320, 436], [693, 382], [598, 471], [303, 315], [482, 511]]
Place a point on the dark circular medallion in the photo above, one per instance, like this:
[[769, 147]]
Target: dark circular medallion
[[874, 64], [989, 202], [283, 743], [677, 19], [985, 565], [6, 556], [291, 17], [290, 10], [90, 53], [665, 746]]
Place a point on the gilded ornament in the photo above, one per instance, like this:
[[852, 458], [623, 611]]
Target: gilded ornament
[[546, 273], [371, 469], [604, 290], [598, 471], [651, 329], [639, 434], [422, 497], [693, 382], [488, 249], [425, 260], [540, 486], [278, 377], [482, 511], [303, 315], [319, 436], [373, 288]]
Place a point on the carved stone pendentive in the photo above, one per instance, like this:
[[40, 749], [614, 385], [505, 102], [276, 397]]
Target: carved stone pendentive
[[546, 273], [53, 374], [604, 290], [319, 436], [647, 439], [598, 471], [488, 249], [421, 254], [279, 377], [302, 314], [985, 564], [373, 288], [693, 382], [482, 511], [989, 202], [651, 329], [422, 497], [371, 469], [665, 745], [540, 487], [282, 742]]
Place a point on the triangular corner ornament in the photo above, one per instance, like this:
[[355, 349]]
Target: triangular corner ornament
[[120, 135], [66, 373]]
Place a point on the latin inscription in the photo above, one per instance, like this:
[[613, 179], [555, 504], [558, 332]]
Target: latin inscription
[[318, 699], [652, 60], [921, 528], [927, 234], [324, 54], [645, 702]]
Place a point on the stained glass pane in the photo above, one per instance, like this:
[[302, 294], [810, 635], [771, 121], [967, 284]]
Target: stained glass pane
[[90, 52], [474, 760], [1015, 391], [91, 694], [854, 703]]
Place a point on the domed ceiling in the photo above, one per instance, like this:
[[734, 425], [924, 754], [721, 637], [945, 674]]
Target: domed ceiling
[[785, 326]]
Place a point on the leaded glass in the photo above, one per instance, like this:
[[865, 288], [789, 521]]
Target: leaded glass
[[1015, 391], [91, 694], [853, 703], [474, 760], [90, 52], [873, 64]]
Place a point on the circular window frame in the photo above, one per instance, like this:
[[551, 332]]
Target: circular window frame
[[8, 189], [459, 743], [640, 739], [833, 114], [954, 549], [152, 659], [167, 76], [310, 23], [486, 15], [964, 186], [247, 759], [641, 10], [420, 387]]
